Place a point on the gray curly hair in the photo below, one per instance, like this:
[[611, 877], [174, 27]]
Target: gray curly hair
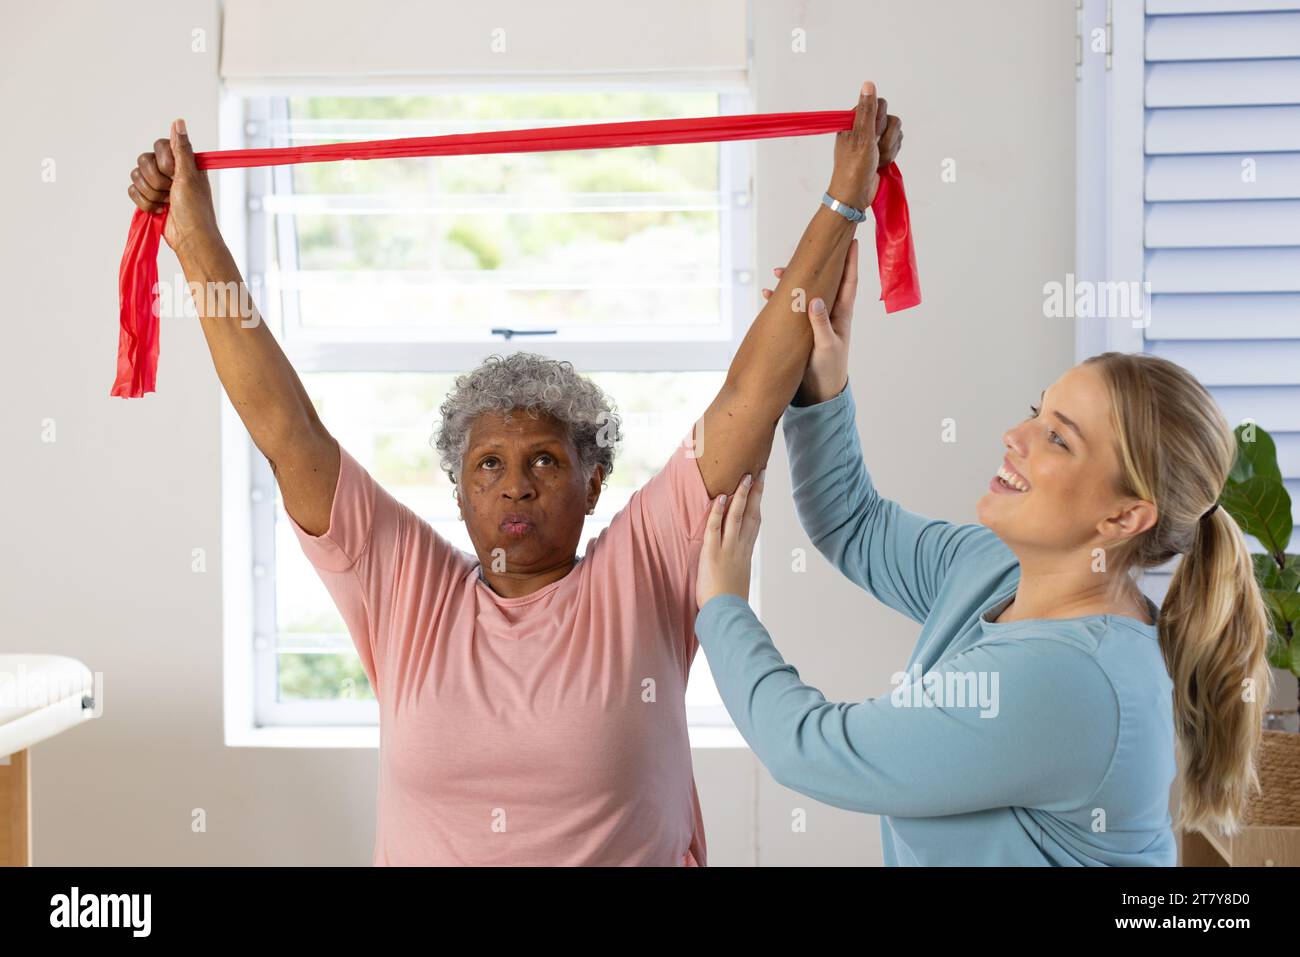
[[536, 384]]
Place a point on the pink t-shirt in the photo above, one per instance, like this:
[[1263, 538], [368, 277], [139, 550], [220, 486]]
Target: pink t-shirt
[[543, 730]]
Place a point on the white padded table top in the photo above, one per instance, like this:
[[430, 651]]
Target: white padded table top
[[40, 696]]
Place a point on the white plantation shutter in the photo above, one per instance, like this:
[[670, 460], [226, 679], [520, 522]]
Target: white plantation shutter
[[1219, 197]]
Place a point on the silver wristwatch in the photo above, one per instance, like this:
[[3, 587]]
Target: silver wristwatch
[[845, 210]]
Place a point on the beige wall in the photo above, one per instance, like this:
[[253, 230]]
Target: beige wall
[[101, 522]]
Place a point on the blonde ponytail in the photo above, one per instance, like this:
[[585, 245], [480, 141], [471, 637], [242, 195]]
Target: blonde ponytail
[[1213, 629], [1176, 450]]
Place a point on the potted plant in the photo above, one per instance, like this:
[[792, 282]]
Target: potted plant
[[1256, 498]]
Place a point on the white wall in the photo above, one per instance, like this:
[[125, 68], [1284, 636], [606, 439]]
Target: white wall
[[101, 523]]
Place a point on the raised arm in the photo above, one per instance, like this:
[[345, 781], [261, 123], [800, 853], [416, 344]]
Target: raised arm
[[771, 362], [262, 385]]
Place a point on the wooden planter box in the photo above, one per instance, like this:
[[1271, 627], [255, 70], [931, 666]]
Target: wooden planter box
[[1252, 846], [1271, 835]]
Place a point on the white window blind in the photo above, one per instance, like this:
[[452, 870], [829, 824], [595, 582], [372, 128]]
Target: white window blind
[[1203, 136], [1222, 203]]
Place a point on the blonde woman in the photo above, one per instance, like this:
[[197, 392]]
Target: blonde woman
[[1041, 711]]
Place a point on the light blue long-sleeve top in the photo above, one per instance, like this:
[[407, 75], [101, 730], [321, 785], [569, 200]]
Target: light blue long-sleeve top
[[1035, 742]]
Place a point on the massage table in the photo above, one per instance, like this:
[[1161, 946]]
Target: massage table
[[40, 696]]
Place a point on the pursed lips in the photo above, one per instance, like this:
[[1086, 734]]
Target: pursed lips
[[516, 523]]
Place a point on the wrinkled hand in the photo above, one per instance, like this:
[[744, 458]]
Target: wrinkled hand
[[729, 538], [891, 137], [168, 176], [828, 365], [861, 152]]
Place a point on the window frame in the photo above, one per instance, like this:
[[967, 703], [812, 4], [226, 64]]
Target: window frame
[[1110, 163], [252, 715]]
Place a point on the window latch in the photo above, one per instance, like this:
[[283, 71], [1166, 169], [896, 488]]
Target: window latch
[[511, 333]]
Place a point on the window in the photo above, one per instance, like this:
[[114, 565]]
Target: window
[[1189, 122], [383, 280]]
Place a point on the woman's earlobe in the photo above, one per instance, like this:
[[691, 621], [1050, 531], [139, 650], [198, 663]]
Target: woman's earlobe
[[1137, 519]]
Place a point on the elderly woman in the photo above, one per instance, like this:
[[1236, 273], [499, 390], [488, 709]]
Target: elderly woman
[[531, 702], [1039, 715]]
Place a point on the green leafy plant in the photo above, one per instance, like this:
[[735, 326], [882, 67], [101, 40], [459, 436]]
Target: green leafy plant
[[1257, 499]]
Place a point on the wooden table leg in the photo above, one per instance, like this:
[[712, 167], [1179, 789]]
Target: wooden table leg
[[15, 811]]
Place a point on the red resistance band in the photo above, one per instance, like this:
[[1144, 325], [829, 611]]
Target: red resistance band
[[137, 350]]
